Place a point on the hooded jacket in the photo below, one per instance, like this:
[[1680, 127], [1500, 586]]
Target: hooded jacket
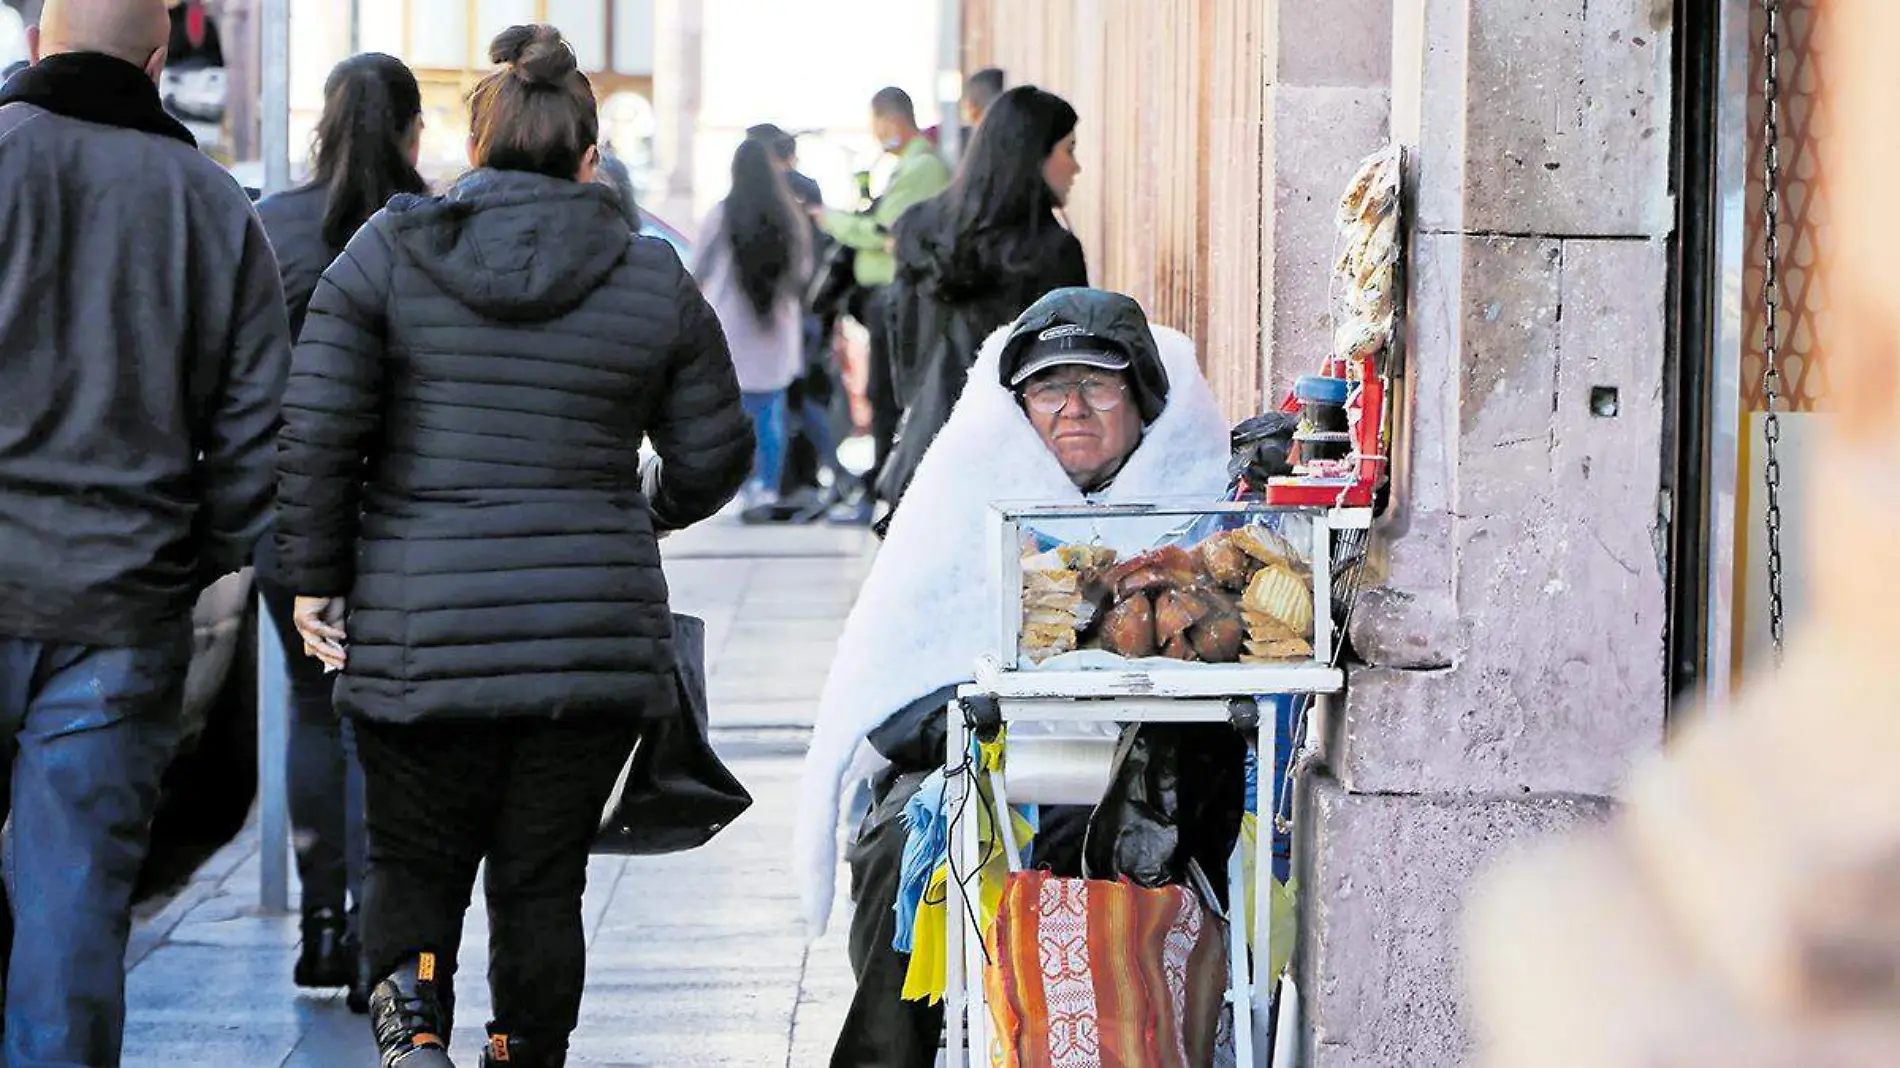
[[941, 308], [461, 452], [924, 615]]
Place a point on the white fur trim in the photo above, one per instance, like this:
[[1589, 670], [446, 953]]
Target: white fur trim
[[920, 622]]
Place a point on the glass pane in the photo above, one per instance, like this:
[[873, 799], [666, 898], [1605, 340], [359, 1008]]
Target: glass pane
[[633, 36], [585, 24], [382, 27], [438, 33], [492, 17]]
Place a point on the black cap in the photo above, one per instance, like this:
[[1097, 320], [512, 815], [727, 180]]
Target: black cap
[[1066, 345]]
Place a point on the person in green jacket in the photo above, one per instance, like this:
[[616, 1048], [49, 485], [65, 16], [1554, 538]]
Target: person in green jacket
[[921, 174]]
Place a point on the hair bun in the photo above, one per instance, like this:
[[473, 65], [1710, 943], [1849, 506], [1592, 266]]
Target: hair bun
[[538, 55]]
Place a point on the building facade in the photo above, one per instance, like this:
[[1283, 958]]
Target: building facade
[[1567, 552]]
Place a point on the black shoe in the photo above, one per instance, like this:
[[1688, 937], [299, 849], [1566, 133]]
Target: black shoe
[[328, 958], [506, 1051], [410, 1017]]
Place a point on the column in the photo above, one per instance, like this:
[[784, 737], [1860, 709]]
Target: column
[[1515, 650]]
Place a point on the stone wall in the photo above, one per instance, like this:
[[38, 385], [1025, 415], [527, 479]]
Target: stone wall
[[1515, 653]]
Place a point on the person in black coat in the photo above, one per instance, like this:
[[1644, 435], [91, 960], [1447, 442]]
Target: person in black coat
[[460, 463], [368, 139], [973, 258]]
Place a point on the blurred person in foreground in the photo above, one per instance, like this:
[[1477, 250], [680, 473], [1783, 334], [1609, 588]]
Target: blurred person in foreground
[[920, 175], [1079, 399], [972, 258], [464, 514], [143, 351], [753, 260], [368, 140], [1743, 908]]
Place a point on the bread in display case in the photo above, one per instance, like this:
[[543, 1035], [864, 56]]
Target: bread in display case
[[1142, 589]]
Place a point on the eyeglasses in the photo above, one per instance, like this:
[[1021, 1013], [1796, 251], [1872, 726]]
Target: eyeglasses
[[1099, 394]]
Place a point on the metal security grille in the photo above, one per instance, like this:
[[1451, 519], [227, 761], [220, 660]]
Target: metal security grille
[[1803, 298]]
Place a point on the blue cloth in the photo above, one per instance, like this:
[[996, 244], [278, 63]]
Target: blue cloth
[[89, 732], [924, 851], [769, 415]]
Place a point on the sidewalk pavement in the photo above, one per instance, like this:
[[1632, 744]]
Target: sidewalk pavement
[[696, 960]]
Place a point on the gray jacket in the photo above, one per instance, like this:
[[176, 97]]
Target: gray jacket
[[143, 354]]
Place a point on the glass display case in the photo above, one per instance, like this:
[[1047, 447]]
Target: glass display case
[[1181, 598]]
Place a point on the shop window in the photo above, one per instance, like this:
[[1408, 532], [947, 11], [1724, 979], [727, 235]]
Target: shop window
[[584, 22], [438, 33], [492, 17], [633, 37]]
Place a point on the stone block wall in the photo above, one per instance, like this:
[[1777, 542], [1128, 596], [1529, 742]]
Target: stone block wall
[[1515, 651]]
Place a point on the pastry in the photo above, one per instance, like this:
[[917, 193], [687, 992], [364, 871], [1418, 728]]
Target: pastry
[[1277, 591], [1172, 616], [1129, 628], [1218, 640]]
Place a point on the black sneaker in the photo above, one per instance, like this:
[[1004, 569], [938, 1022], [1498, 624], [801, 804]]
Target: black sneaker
[[328, 956], [410, 1017], [513, 1051]]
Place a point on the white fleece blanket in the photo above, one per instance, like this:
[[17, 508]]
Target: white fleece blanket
[[921, 620]]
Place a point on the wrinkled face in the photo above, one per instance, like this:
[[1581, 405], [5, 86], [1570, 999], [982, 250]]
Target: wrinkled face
[[1087, 417], [1061, 168]]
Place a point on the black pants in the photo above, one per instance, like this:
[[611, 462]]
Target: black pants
[[326, 781], [872, 308], [527, 795]]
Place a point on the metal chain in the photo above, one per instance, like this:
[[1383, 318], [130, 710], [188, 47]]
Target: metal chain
[[1771, 309]]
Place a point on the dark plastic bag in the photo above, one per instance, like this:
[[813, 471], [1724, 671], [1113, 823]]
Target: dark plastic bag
[[676, 793], [1260, 448], [1175, 797]]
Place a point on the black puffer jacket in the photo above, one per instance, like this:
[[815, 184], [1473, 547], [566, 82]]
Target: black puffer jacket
[[460, 452], [943, 306]]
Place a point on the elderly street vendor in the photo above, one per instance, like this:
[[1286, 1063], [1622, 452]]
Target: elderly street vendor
[[1079, 400]]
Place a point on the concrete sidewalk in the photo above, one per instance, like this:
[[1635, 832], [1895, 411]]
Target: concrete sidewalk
[[695, 960]]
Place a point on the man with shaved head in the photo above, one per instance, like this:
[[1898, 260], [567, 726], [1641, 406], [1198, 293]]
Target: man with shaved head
[[143, 352]]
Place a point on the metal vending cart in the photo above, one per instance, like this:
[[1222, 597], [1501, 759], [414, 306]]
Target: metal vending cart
[[1084, 686]]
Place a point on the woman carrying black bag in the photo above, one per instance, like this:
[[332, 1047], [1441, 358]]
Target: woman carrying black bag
[[460, 465]]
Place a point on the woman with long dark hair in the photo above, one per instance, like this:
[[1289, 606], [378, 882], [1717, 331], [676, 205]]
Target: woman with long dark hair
[[461, 500], [755, 257], [971, 259], [367, 143]]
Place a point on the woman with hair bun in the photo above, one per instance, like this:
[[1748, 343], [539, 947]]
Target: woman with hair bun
[[461, 501]]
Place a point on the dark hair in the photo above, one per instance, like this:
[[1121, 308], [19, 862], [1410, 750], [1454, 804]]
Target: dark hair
[[894, 103], [370, 105], [983, 87], [999, 201], [782, 145], [538, 114], [761, 226]]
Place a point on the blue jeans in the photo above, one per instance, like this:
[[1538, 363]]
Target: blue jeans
[[87, 735], [768, 423]]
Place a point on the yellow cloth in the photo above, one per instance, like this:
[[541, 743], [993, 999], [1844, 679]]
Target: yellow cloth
[[1285, 912], [926, 977]]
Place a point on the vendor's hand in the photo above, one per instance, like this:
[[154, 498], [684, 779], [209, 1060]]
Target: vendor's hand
[[319, 621]]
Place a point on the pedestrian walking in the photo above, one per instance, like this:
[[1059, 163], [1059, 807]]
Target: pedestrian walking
[[143, 347], [920, 175], [753, 262], [368, 140], [464, 514], [971, 259]]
